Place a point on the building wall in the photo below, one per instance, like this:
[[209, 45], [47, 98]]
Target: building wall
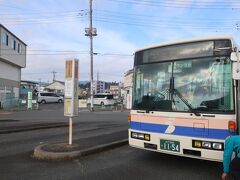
[[127, 89], [99, 87], [114, 90], [12, 55], [9, 81], [128, 79], [9, 71], [11, 62]]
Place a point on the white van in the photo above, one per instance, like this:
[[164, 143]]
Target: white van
[[103, 99], [47, 97]]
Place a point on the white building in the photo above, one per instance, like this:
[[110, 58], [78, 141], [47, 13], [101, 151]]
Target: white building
[[99, 87], [115, 90], [57, 87], [12, 59], [127, 89]]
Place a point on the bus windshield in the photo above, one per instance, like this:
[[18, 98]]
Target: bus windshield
[[201, 84]]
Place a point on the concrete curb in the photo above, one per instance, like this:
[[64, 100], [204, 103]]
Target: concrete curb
[[5, 112], [22, 129], [40, 154]]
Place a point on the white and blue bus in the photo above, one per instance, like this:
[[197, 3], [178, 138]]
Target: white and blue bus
[[185, 97]]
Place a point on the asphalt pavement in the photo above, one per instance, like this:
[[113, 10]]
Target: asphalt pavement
[[92, 131], [90, 128], [123, 163], [49, 116]]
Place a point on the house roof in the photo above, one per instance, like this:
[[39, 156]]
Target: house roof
[[28, 82], [60, 82]]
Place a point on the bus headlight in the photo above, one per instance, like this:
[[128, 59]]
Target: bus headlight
[[140, 136], [208, 145], [218, 146], [134, 135]]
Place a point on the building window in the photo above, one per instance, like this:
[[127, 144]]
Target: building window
[[19, 48], [5, 38], [13, 44]]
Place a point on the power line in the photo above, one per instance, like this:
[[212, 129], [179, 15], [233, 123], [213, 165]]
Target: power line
[[45, 18], [82, 11], [161, 25], [112, 54], [43, 54], [151, 17], [104, 16], [43, 21], [58, 16], [47, 50], [15, 7], [68, 53], [184, 2], [164, 21], [169, 4]]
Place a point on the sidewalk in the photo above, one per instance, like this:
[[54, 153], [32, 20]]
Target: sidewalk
[[81, 147], [2, 112]]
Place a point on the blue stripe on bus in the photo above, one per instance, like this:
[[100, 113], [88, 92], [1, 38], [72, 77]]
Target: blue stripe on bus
[[220, 134]]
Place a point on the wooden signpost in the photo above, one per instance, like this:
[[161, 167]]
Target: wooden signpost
[[71, 93]]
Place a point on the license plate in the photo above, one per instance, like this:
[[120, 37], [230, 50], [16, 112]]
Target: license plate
[[170, 145]]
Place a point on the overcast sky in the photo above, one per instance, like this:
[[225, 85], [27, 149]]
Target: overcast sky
[[54, 31]]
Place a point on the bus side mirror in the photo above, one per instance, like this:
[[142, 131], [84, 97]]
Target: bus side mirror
[[236, 71], [235, 65], [234, 56]]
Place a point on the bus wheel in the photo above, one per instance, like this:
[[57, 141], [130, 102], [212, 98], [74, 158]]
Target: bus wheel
[[102, 103]]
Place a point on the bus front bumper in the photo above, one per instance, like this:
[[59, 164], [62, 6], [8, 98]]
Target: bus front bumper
[[177, 145]]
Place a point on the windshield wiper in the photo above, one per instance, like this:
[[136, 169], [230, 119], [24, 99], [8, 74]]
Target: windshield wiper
[[173, 90], [186, 103]]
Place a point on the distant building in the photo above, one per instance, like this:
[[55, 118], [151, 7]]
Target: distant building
[[27, 86], [115, 90], [127, 89], [12, 59], [57, 86], [99, 87]]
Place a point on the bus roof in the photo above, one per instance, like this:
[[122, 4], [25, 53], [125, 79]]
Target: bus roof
[[182, 41]]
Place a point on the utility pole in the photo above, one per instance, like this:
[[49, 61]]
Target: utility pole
[[40, 82], [91, 32], [98, 83], [54, 76]]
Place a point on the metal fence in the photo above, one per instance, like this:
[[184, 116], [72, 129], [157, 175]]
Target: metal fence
[[12, 103], [115, 107]]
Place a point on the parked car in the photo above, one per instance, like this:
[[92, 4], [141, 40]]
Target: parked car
[[47, 97], [103, 99]]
